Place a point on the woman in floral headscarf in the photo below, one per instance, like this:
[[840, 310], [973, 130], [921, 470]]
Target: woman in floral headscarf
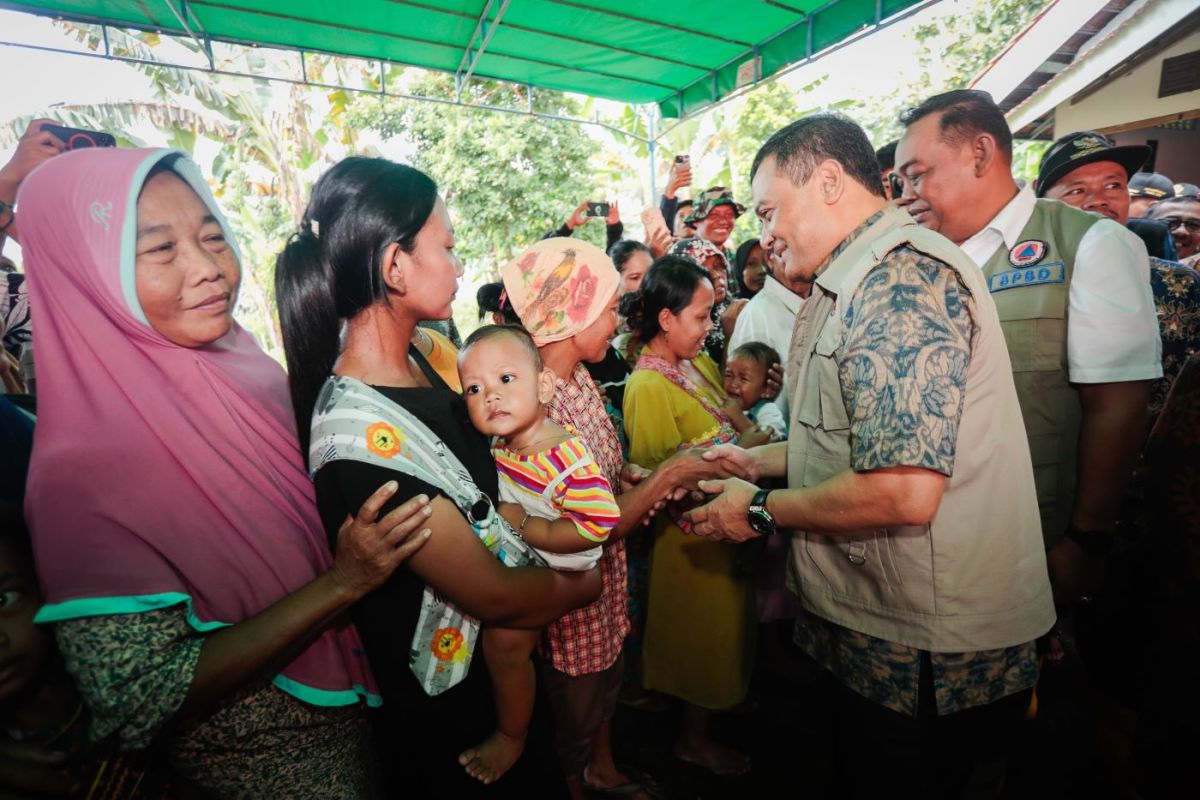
[[725, 308], [565, 292]]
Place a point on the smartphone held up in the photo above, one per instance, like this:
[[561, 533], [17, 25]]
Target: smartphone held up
[[79, 138]]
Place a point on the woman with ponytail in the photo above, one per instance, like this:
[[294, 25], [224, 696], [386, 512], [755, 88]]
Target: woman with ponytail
[[184, 566], [699, 637], [375, 255]]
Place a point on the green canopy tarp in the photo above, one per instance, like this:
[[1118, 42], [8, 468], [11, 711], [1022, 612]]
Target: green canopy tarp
[[682, 56]]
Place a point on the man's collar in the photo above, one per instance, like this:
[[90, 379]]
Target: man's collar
[[790, 299], [846, 242], [1012, 219]]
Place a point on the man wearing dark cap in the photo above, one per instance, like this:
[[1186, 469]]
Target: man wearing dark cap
[[1088, 171], [1146, 189], [1187, 190], [713, 216], [1073, 294]]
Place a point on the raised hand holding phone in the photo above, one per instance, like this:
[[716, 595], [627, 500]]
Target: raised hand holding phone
[[79, 138], [579, 216], [34, 147], [681, 175], [658, 236]]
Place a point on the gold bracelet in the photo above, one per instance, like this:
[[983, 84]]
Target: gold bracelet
[[521, 527]]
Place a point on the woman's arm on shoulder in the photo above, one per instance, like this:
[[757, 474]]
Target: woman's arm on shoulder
[[368, 552]]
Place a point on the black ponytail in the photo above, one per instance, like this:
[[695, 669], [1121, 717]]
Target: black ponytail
[[333, 268], [670, 284], [493, 299]]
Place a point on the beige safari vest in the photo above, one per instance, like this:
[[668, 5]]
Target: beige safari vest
[[975, 577], [1031, 301]]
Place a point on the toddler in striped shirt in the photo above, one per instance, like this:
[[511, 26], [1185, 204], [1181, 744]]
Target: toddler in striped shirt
[[552, 493]]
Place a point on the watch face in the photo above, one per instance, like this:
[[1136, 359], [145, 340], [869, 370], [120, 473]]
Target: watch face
[[761, 523]]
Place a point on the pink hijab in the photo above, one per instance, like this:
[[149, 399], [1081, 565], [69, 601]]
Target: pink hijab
[[161, 474]]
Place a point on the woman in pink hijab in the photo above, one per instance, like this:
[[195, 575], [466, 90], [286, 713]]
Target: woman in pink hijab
[[183, 562]]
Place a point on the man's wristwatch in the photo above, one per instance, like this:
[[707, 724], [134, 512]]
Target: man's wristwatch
[[6, 216], [759, 518]]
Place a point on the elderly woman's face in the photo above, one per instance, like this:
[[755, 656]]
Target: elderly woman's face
[[719, 273], [187, 274], [593, 340]]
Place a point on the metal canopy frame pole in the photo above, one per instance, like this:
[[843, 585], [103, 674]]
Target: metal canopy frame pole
[[485, 28], [182, 13], [383, 91], [652, 151], [809, 58]]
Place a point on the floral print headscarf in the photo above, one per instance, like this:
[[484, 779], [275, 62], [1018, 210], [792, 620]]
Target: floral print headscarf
[[559, 287]]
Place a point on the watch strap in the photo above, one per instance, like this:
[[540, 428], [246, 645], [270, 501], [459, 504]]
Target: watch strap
[[758, 511]]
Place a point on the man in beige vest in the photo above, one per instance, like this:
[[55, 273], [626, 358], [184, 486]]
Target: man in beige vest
[[1073, 293], [916, 547]]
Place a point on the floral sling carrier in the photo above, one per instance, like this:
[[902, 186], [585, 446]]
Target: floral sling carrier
[[352, 421]]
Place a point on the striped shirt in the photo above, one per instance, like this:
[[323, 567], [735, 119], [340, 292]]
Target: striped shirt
[[582, 495]]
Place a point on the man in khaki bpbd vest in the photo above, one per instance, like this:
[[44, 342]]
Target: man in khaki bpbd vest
[[1073, 293], [910, 507]]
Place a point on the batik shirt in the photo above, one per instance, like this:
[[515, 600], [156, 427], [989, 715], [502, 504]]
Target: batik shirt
[[904, 414], [1177, 302], [14, 312]]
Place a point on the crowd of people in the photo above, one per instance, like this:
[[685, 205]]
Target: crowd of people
[[933, 433]]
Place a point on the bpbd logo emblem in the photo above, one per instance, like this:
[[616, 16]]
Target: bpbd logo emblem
[[1027, 253]]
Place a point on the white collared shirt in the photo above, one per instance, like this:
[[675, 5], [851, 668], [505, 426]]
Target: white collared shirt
[[1112, 326], [769, 318]]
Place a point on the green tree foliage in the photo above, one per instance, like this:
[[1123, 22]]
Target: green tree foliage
[[738, 129], [508, 179], [950, 53], [276, 139]]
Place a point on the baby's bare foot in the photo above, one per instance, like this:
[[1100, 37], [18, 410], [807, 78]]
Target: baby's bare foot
[[493, 757]]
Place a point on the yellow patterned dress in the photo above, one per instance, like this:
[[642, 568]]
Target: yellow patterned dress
[[699, 642]]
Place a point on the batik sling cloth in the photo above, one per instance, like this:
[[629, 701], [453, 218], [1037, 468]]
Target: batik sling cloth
[[353, 422]]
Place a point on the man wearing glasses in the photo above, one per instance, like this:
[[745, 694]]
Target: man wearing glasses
[[1182, 216]]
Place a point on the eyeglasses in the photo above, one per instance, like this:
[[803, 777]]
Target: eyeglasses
[[1189, 225]]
